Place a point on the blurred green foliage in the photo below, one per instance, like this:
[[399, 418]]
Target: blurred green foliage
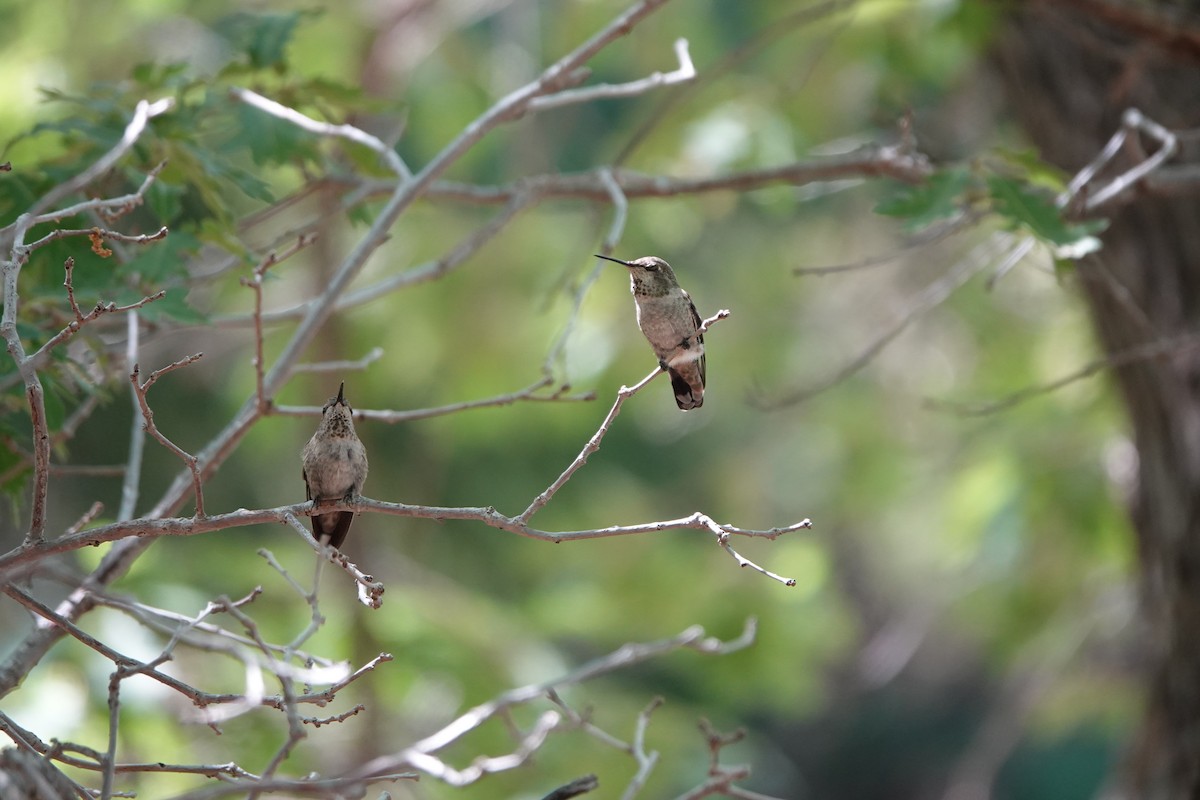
[[954, 557]]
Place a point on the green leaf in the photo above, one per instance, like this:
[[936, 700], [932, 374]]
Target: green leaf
[[159, 76], [165, 201], [263, 38], [938, 198], [271, 140], [1032, 168], [52, 392], [158, 261], [1023, 207]]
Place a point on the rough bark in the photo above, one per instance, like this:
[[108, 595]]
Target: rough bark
[[1070, 68]]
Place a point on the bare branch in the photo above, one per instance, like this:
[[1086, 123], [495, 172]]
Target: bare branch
[[1132, 123], [97, 235], [769, 34], [723, 540], [86, 519], [598, 186], [423, 273], [356, 365], [188, 459], [645, 761], [683, 73], [350, 133], [421, 754], [593, 444], [149, 528], [317, 722], [721, 779], [934, 233], [132, 481], [142, 114], [42, 353], [925, 301], [1132, 355], [370, 591], [615, 231], [255, 282], [871, 161], [530, 394]]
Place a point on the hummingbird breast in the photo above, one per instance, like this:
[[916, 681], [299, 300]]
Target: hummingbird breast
[[669, 326], [333, 466]]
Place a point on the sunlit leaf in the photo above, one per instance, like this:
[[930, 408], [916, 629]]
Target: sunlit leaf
[[1024, 207]]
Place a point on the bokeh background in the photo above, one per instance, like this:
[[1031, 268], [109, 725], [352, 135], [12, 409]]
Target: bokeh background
[[962, 608]]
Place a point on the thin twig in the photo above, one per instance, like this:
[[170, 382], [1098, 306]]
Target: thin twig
[[421, 754], [1131, 355], [39, 356], [1132, 122], [925, 301], [255, 283], [343, 365], [530, 394], [188, 459], [645, 761], [98, 234], [934, 233], [132, 480], [722, 778], [593, 444], [616, 230], [723, 540]]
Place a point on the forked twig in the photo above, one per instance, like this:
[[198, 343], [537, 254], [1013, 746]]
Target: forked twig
[[188, 459]]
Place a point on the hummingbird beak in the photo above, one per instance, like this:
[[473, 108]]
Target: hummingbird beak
[[614, 260], [340, 399]]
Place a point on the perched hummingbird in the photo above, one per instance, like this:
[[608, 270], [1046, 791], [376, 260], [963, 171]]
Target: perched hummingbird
[[334, 468], [668, 318]]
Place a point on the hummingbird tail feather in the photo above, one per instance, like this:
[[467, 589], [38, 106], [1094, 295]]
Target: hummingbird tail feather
[[334, 526], [687, 396]]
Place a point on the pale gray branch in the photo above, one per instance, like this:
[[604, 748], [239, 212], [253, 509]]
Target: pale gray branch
[[348, 132], [684, 72]]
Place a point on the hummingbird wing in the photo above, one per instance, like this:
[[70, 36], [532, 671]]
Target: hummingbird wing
[[699, 338], [687, 376]]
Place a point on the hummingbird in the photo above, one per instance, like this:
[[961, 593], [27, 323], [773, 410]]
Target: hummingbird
[[334, 468], [668, 319]]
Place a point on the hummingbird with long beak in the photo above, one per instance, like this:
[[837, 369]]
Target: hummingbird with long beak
[[668, 319], [334, 468]]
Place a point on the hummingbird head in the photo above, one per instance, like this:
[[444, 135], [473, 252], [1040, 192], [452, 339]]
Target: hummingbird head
[[336, 415], [649, 276]]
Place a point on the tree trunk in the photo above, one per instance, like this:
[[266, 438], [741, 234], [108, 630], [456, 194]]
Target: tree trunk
[[1070, 68]]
